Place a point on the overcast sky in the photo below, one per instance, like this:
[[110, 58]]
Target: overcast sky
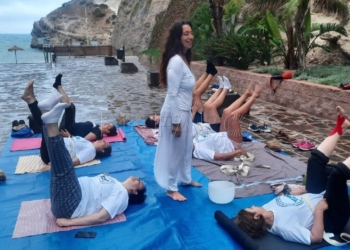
[[18, 16]]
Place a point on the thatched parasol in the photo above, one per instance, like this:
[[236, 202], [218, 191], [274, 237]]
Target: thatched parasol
[[15, 48]]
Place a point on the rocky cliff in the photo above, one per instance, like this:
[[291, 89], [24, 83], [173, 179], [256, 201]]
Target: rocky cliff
[[135, 22], [78, 21]]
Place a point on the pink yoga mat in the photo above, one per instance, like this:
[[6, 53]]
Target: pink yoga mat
[[25, 144], [117, 138], [35, 218]]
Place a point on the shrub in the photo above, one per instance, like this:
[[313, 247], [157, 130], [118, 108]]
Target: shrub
[[98, 13], [103, 6], [108, 21], [269, 70], [114, 16], [153, 53]]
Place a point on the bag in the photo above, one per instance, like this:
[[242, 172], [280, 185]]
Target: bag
[[33, 126], [274, 145], [23, 133], [285, 75]]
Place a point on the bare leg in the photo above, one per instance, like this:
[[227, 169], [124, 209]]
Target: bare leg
[[211, 114], [197, 94], [65, 97], [176, 196], [200, 80], [28, 94], [329, 143], [231, 123], [238, 103]]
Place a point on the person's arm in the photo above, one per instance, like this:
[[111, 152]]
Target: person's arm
[[76, 161], [318, 227], [91, 219], [90, 137], [174, 76], [229, 156]]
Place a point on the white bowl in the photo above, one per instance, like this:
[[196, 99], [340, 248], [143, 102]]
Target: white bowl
[[221, 192]]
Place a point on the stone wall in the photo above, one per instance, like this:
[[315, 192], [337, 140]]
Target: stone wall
[[317, 99]]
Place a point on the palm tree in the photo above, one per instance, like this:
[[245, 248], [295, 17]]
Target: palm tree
[[217, 12], [294, 15]]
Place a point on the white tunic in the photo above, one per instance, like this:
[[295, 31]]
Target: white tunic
[[173, 157], [201, 128]]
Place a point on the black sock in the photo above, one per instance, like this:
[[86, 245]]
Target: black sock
[[58, 81], [212, 70]]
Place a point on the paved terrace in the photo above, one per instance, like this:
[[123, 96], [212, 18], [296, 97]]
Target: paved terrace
[[101, 92]]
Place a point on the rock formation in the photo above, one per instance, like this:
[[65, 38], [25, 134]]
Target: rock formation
[[78, 21]]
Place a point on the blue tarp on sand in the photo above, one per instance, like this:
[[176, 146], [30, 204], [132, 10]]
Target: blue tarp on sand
[[160, 223]]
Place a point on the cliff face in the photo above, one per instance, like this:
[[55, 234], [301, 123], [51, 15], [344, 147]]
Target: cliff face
[[78, 21], [135, 22]]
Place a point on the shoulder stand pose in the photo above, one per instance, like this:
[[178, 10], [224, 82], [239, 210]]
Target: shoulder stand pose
[[225, 145], [172, 163], [290, 216], [85, 200], [80, 149]]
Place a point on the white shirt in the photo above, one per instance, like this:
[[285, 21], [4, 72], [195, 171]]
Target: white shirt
[[201, 128], [80, 148], [180, 86], [206, 145], [99, 192], [293, 218]]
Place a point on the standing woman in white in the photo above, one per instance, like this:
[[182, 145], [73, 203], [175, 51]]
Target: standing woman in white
[[172, 163]]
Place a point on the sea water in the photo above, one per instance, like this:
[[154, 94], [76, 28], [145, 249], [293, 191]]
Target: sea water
[[27, 55]]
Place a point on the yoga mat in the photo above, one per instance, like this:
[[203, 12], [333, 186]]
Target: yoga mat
[[34, 164], [35, 218], [117, 138], [25, 144]]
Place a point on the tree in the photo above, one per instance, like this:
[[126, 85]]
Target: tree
[[217, 12], [295, 18]]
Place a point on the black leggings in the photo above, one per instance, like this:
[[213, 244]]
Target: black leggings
[[68, 119], [36, 113], [333, 179]]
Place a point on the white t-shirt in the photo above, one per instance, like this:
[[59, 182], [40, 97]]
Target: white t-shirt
[[99, 192], [81, 148], [206, 145], [201, 128], [293, 218]]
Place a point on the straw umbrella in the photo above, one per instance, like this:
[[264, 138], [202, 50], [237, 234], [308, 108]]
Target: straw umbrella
[[15, 48]]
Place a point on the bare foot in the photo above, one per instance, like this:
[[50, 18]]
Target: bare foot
[[28, 94], [192, 183], [341, 113], [176, 196], [257, 89], [249, 90]]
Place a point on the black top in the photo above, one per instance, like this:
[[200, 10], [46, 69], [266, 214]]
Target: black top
[[82, 129]]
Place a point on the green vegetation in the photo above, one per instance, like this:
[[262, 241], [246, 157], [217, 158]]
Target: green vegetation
[[328, 75], [136, 8], [98, 13], [148, 4], [103, 6], [154, 53]]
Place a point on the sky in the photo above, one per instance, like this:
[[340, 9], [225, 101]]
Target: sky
[[18, 16]]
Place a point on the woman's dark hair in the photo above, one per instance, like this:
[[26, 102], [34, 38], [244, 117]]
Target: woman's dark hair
[[151, 123], [255, 228], [138, 198], [107, 152], [172, 47], [112, 131]]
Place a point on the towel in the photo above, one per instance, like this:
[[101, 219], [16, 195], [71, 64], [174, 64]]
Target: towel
[[149, 135]]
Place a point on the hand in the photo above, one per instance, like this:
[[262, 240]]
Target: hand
[[322, 205], [63, 222], [64, 133], [242, 152], [176, 130]]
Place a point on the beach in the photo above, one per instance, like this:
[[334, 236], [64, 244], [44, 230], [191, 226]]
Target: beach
[[99, 92]]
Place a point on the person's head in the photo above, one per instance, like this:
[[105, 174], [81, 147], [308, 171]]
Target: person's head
[[103, 148], [136, 189], [179, 41], [251, 221], [108, 129], [152, 121]]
